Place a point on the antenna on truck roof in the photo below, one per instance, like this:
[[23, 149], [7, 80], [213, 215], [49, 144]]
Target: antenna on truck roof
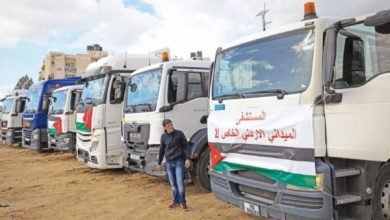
[[262, 15], [125, 65]]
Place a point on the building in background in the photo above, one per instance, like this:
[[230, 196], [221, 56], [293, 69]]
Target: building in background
[[58, 65]]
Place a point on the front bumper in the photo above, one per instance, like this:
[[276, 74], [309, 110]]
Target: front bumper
[[62, 142], [272, 198], [34, 139], [96, 158], [11, 136], [145, 161]]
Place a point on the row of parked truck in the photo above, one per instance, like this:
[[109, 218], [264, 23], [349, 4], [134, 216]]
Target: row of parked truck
[[290, 123]]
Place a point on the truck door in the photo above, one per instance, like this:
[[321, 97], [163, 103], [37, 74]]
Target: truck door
[[73, 102], [187, 95], [113, 115], [358, 112]]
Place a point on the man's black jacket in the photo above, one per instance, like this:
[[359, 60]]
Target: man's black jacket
[[174, 146]]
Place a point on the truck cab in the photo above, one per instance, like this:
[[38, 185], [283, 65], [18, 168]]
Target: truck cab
[[61, 128], [35, 115], [11, 117], [177, 90], [297, 127], [99, 113]]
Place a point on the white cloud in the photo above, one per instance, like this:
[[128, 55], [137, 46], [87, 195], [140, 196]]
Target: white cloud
[[184, 25]]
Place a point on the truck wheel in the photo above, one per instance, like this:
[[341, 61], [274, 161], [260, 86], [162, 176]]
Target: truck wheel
[[201, 170], [381, 196]]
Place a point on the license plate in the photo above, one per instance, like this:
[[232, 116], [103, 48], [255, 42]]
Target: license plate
[[251, 209], [135, 156], [53, 140], [27, 139], [135, 135]]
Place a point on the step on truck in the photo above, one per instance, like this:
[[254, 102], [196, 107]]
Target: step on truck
[[99, 113], [35, 115], [299, 120], [61, 125], [177, 90], [11, 117]]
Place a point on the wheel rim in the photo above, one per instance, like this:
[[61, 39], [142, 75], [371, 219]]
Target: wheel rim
[[385, 199]]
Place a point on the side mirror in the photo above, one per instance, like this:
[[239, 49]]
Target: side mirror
[[166, 108], [77, 100], [19, 106], [45, 103], [329, 56], [118, 90], [340, 84]]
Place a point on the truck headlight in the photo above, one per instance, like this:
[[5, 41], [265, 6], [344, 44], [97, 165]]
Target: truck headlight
[[35, 134], [94, 147], [319, 185]]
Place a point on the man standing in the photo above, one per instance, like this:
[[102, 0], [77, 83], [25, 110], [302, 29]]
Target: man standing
[[175, 148]]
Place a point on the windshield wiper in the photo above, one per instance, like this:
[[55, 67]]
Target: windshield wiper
[[147, 105], [229, 95], [88, 101], [129, 109], [279, 92], [29, 111]]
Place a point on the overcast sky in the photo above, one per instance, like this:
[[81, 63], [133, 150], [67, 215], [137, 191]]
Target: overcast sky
[[31, 28]]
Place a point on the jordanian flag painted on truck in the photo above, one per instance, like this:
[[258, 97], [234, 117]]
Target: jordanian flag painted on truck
[[84, 120], [54, 125], [277, 143]]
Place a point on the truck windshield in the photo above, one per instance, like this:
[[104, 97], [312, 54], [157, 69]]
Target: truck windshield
[[279, 63], [142, 91], [58, 101], [94, 88], [7, 105], [33, 97]]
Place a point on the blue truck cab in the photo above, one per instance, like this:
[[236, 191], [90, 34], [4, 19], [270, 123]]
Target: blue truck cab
[[34, 132]]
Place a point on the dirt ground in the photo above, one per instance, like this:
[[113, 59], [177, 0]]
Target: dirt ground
[[56, 186]]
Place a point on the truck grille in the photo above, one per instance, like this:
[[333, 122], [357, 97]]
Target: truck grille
[[248, 174], [136, 135], [220, 182], [259, 194], [302, 202], [27, 134], [84, 137]]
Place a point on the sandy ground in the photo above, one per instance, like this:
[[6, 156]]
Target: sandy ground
[[56, 186]]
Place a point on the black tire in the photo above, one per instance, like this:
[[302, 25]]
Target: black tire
[[382, 183], [200, 171]]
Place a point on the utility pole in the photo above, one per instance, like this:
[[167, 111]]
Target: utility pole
[[262, 14]]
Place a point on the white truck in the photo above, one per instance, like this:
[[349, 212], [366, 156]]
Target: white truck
[[61, 126], [177, 90], [99, 113], [11, 117], [297, 127]]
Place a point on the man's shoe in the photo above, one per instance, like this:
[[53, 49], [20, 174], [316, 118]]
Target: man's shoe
[[184, 206], [173, 205]]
